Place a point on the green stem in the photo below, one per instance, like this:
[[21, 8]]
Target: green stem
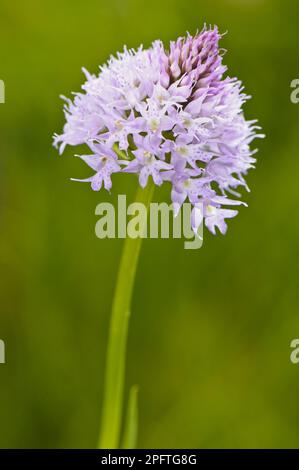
[[117, 341]]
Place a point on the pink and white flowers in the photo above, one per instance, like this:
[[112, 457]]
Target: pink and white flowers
[[169, 115]]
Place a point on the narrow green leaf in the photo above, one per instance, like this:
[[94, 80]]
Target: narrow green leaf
[[131, 424]]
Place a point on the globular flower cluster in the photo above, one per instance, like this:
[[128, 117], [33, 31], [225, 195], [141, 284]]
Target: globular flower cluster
[[170, 115]]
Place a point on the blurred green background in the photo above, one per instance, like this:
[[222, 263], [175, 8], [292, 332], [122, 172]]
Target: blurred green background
[[210, 334]]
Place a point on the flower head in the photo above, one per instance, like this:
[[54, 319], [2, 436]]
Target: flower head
[[170, 115]]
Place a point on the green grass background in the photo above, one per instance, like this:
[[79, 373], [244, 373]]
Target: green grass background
[[210, 335]]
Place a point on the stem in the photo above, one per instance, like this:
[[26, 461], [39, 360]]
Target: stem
[[117, 341]]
